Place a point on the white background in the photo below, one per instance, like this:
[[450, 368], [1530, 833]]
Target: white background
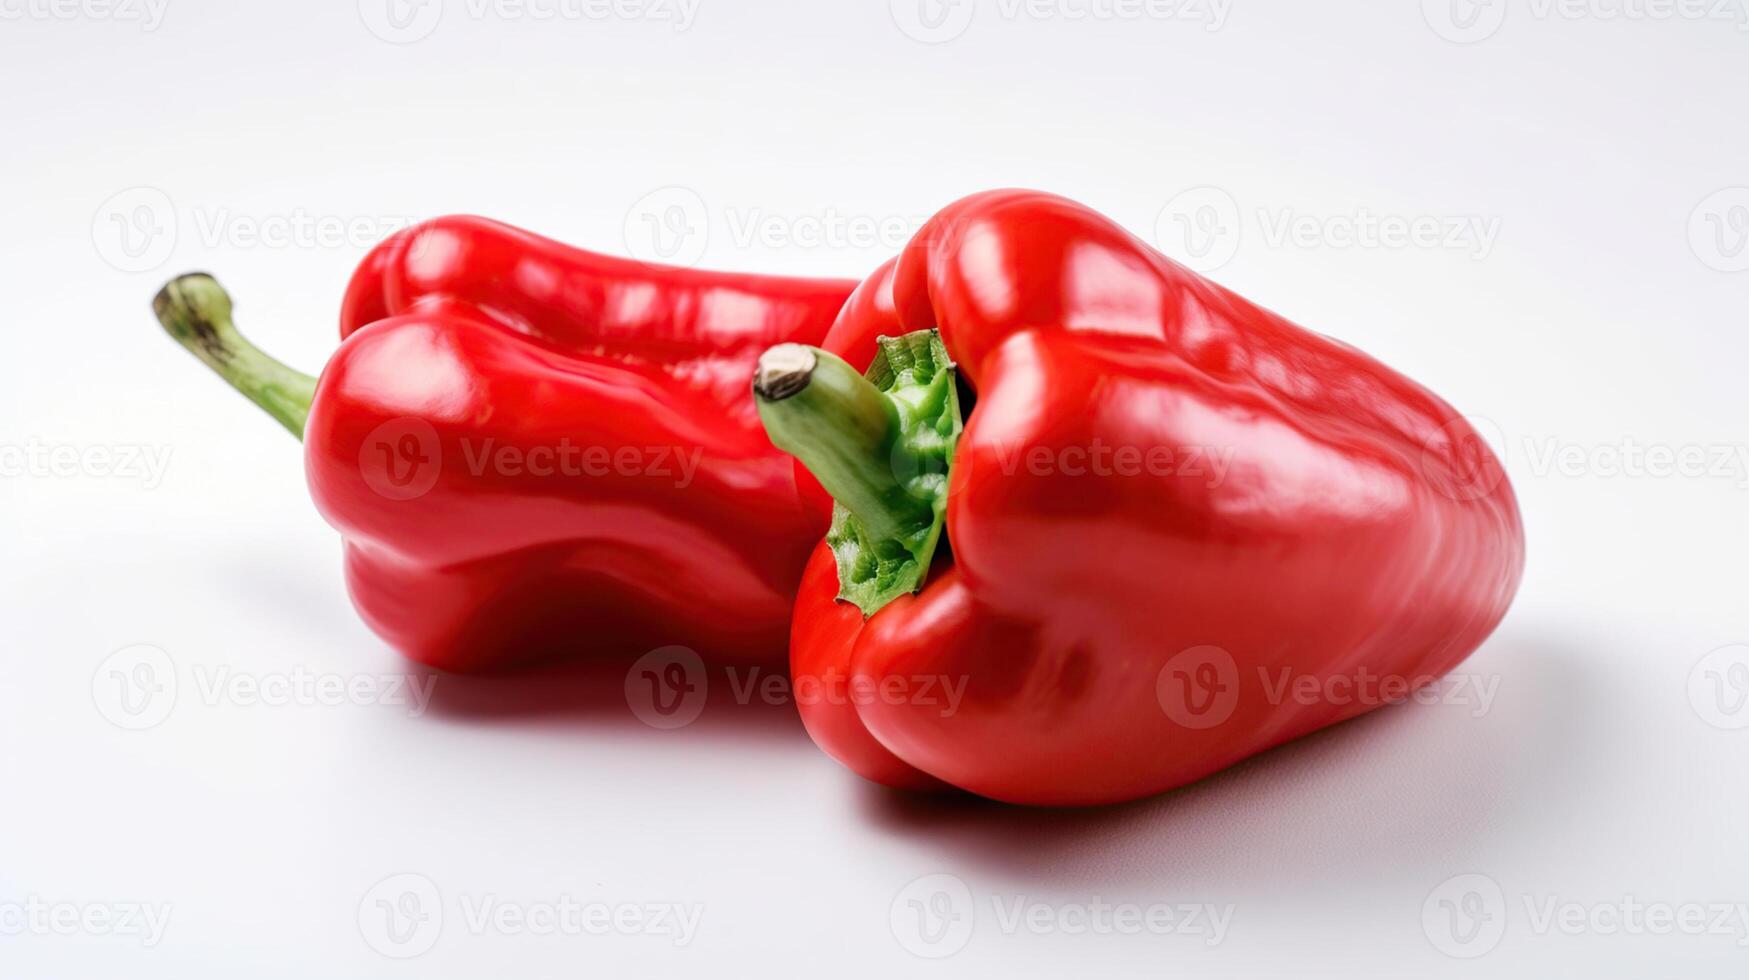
[[1603, 316]]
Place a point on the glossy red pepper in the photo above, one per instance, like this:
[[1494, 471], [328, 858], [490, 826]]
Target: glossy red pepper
[[1181, 530], [531, 448]]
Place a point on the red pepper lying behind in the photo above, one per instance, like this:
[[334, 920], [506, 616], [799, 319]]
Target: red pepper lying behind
[[1175, 523], [530, 448]]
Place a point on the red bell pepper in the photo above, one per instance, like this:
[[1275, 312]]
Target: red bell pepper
[[1179, 530], [531, 448]]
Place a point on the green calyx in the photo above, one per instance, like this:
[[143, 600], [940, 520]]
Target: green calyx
[[196, 311], [881, 443]]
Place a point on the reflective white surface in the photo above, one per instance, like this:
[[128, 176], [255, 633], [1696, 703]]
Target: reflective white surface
[[1543, 218]]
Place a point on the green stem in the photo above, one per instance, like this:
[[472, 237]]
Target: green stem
[[845, 430], [881, 443], [196, 311]]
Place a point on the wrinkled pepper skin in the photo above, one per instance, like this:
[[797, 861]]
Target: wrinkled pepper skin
[[532, 449], [1121, 635]]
